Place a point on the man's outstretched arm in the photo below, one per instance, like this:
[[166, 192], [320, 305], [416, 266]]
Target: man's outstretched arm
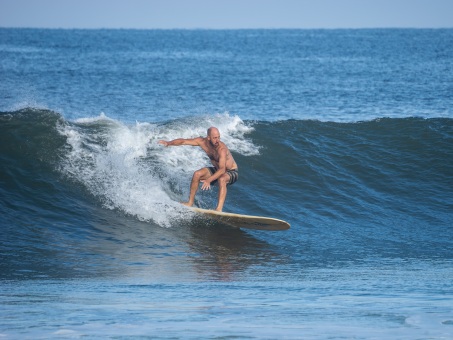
[[182, 141]]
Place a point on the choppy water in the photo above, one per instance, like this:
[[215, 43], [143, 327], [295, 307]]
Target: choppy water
[[346, 134]]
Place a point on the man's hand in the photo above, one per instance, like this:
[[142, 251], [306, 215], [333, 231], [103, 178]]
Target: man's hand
[[206, 185], [163, 142]]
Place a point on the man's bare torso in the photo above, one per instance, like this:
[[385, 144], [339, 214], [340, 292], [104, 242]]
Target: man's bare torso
[[213, 154]]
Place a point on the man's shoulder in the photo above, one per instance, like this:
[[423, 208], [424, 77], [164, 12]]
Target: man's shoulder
[[223, 147], [201, 140]]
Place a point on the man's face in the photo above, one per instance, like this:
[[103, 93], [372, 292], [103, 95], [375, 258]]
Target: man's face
[[214, 139]]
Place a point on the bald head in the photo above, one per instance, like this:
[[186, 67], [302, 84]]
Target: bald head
[[214, 136], [212, 130]]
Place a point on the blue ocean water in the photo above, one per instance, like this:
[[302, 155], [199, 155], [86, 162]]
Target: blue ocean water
[[346, 134]]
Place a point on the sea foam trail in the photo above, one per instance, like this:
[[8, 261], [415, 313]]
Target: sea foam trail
[[127, 169]]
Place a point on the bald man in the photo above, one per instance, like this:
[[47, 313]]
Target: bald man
[[223, 172]]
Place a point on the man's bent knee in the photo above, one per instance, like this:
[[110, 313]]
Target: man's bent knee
[[223, 180], [198, 173], [201, 174]]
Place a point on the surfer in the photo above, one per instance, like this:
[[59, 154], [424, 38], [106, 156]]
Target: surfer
[[223, 172]]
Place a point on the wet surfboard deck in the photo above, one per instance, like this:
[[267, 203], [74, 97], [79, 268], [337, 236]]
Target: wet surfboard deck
[[244, 221]]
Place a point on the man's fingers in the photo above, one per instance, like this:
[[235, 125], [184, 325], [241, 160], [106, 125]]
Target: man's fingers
[[205, 186]]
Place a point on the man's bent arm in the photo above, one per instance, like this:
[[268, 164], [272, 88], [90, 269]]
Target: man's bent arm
[[220, 171], [222, 167]]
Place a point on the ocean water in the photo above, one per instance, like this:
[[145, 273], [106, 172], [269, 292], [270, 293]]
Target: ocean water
[[346, 134]]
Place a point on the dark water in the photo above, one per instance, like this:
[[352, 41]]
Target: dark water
[[328, 135]]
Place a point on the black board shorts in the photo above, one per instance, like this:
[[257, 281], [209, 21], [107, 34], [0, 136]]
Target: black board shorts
[[234, 175]]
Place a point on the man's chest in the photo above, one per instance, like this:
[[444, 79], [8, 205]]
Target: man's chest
[[212, 154]]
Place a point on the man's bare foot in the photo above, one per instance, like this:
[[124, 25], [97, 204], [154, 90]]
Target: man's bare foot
[[187, 204]]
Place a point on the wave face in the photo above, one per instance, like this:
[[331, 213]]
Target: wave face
[[377, 172], [397, 169]]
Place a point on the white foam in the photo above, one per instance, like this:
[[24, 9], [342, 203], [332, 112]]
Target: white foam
[[88, 120], [127, 169]]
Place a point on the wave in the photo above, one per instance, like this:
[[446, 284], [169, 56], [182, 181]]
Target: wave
[[365, 170], [378, 171]]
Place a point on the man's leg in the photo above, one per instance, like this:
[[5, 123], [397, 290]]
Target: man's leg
[[223, 180], [198, 176]]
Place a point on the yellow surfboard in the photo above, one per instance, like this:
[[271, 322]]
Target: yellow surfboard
[[244, 221]]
